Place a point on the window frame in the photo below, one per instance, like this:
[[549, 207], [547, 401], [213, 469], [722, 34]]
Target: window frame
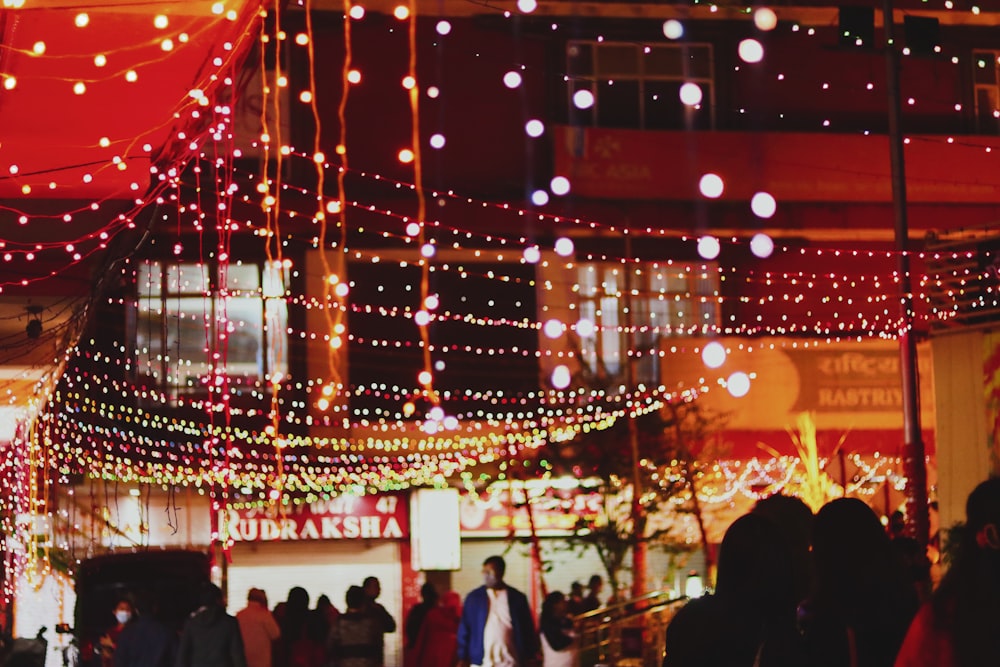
[[696, 323], [595, 80], [157, 374]]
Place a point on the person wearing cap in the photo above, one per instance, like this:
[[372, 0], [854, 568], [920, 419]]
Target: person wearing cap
[[258, 628]]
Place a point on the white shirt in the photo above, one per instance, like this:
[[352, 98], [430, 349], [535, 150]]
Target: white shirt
[[498, 635]]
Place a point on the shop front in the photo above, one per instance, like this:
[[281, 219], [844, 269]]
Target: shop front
[[324, 547]]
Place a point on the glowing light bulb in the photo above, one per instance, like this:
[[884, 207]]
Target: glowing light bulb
[[561, 377], [583, 99], [104, 142], [357, 12], [354, 76], [512, 79], [585, 328], [534, 128], [406, 156], [532, 254], [765, 19], [409, 82], [100, 60], [738, 384], [559, 185], [443, 27], [691, 94], [564, 246], [428, 250], [761, 245], [431, 303], [81, 20], [79, 88], [711, 186], [401, 12], [424, 378], [539, 197], [751, 51], [553, 329], [302, 39], [160, 21], [306, 96], [167, 44], [713, 354], [131, 76], [412, 229], [673, 29], [422, 318], [709, 247], [433, 92], [763, 205], [437, 141], [38, 48], [218, 8], [10, 82], [527, 6]]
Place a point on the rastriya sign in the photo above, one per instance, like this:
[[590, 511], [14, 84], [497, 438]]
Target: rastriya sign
[[340, 518]]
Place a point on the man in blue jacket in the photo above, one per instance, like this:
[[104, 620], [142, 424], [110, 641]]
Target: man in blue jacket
[[497, 629]]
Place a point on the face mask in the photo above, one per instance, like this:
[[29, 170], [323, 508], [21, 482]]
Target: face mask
[[490, 580], [123, 616]]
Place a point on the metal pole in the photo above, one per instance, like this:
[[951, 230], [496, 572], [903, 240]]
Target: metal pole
[[914, 462]]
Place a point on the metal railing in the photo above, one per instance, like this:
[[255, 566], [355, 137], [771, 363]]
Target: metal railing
[[628, 633]]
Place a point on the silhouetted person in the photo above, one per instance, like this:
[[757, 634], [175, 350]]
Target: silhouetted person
[[145, 641], [910, 555], [574, 602], [959, 627], [355, 639], [211, 637], [327, 611], [794, 520], [593, 599], [415, 619], [750, 619], [862, 604], [372, 589], [302, 637]]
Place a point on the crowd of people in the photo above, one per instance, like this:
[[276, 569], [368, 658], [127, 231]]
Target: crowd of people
[[839, 590], [834, 589], [290, 635], [493, 628]]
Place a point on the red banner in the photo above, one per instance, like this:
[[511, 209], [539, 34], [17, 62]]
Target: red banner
[[341, 518]]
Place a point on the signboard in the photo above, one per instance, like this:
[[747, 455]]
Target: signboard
[[841, 380], [435, 539], [339, 518], [493, 515]]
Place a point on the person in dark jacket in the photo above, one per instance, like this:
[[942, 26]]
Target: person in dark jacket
[[497, 629], [145, 641], [211, 637]]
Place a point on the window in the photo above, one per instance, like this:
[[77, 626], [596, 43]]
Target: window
[[987, 90], [183, 312], [665, 301], [638, 86]]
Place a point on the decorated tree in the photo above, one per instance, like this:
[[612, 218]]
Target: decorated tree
[[642, 503]]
